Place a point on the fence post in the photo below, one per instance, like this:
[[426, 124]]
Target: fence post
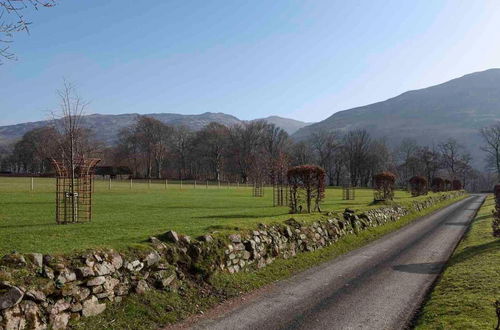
[[218, 182], [109, 183], [32, 184], [166, 183], [194, 184], [207, 184], [149, 183], [181, 185]]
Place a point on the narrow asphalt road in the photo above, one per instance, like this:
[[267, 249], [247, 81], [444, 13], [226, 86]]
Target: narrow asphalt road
[[379, 286]]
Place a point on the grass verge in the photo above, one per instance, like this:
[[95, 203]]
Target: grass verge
[[155, 309], [464, 296]]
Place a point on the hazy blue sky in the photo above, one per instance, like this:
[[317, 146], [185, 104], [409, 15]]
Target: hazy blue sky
[[299, 59]]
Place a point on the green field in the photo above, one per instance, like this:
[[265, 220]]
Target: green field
[[464, 296], [125, 215]]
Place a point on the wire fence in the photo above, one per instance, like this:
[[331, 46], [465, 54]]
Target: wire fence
[[38, 184]]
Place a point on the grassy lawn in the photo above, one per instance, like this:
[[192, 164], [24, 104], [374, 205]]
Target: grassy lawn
[[124, 216], [154, 309], [464, 296]]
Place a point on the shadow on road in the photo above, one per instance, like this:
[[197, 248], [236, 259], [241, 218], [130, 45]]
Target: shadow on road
[[423, 268], [462, 224]]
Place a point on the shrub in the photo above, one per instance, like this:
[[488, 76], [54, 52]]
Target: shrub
[[496, 212], [456, 185], [418, 186], [307, 185], [383, 184], [437, 184]]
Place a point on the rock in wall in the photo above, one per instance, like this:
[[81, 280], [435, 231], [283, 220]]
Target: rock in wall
[[41, 291]]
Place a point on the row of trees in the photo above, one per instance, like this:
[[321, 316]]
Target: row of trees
[[255, 151]]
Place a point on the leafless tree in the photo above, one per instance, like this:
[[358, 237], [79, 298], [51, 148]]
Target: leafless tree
[[68, 120], [12, 20], [325, 145], [245, 142], [35, 148], [356, 149], [211, 145], [301, 154], [430, 161], [451, 153], [491, 137], [405, 153], [181, 145], [275, 145]]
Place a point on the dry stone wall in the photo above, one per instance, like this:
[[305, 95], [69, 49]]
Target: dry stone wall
[[42, 291]]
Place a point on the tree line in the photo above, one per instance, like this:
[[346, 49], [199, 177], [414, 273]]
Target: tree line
[[255, 151]]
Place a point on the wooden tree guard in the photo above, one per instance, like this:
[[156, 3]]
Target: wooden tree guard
[[258, 189], [280, 195], [74, 204], [348, 193]]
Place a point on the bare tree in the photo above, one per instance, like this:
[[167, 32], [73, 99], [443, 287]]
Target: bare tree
[[430, 161], [35, 148], [71, 112], [275, 145], [491, 137], [451, 152], [356, 149], [181, 145], [405, 154], [211, 144], [245, 142], [325, 144], [302, 154], [12, 20]]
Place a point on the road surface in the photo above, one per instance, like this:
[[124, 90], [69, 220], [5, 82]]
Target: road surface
[[379, 286]]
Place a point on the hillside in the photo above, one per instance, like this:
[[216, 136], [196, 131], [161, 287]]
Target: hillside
[[289, 125], [108, 126], [457, 108]]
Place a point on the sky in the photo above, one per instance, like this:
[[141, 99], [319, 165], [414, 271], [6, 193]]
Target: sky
[[252, 59]]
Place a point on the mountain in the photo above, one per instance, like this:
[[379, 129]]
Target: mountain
[[107, 127], [457, 109], [289, 125]]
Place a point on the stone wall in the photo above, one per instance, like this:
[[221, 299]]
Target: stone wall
[[37, 291]]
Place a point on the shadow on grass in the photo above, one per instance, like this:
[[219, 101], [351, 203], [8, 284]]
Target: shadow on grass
[[488, 216], [29, 226], [26, 203], [238, 216], [423, 268], [474, 251], [221, 227]]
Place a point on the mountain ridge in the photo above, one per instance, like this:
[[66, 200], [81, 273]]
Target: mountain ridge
[[107, 126], [457, 109]]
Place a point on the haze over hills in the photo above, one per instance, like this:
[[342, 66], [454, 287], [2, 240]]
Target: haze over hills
[[107, 127], [457, 108]]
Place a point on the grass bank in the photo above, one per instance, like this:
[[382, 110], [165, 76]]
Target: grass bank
[[125, 215], [155, 309], [464, 296]]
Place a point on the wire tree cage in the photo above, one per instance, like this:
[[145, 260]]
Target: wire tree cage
[[258, 189], [74, 190], [348, 192], [280, 183]]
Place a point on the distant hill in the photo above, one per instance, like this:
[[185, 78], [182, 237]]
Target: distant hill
[[457, 108], [108, 126], [289, 125]]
